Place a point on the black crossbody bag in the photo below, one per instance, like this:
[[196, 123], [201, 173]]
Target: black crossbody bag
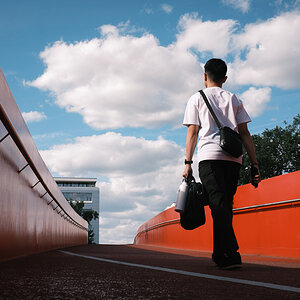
[[230, 140]]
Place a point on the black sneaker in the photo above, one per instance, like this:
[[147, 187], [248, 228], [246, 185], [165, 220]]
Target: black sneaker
[[231, 262], [218, 259]]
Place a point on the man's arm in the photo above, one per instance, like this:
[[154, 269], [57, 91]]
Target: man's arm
[[191, 142], [250, 148]]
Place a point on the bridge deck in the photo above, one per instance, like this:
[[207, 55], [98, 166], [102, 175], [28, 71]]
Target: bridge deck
[[59, 275]]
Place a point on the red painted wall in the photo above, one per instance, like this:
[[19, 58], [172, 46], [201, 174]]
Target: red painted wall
[[27, 223], [270, 231]]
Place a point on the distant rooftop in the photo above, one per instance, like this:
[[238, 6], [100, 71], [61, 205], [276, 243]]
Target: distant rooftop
[[75, 179]]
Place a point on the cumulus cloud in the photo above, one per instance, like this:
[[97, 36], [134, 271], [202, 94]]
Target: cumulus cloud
[[242, 5], [255, 100], [167, 8], [268, 53], [265, 53], [115, 153], [121, 227], [33, 116], [197, 35], [125, 80], [138, 177], [120, 80]]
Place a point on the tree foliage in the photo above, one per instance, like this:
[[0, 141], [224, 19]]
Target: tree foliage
[[277, 151], [87, 214]]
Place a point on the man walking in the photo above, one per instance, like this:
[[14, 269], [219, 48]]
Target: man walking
[[218, 170]]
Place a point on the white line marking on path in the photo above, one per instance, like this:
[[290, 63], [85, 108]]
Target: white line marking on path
[[201, 275]]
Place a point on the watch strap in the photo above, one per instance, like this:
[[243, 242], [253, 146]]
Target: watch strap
[[188, 162]]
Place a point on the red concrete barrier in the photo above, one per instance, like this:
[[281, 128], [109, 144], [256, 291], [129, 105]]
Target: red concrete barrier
[[35, 216], [266, 221]]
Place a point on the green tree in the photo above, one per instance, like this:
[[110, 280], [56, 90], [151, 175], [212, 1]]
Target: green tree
[[277, 151], [87, 214]]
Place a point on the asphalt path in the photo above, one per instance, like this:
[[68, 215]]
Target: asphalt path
[[129, 272]]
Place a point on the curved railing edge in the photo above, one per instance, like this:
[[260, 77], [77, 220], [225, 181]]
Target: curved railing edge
[[11, 131], [235, 211]]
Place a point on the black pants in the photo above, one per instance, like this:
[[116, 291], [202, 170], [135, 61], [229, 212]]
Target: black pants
[[219, 179]]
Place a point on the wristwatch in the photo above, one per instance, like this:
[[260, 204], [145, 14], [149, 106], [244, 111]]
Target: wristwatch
[[188, 162]]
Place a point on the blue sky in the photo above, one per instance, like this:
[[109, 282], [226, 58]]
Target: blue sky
[[103, 85]]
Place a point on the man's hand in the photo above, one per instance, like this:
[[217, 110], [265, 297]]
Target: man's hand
[[255, 177], [191, 142], [250, 148], [187, 171]]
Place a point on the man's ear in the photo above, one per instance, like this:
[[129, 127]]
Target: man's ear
[[224, 80], [205, 79]]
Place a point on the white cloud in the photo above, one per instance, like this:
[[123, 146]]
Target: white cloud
[[115, 153], [53, 135], [33, 116], [255, 100], [268, 53], [119, 81], [167, 8], [143, 177], [123, 80], [265, 53], [148, 10], [287, 5], [197, 35], [242, 5]]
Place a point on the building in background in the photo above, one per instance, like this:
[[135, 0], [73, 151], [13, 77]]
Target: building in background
[[85, 190]]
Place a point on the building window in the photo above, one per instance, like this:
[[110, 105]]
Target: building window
[[73, 196], [76, 184]]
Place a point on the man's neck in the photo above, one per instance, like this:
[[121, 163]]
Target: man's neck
[[213, 84]]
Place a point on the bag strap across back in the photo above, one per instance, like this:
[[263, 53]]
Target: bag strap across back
[[210, 109]]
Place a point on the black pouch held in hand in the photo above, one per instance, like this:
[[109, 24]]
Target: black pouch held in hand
[[230, 140], [193, 215], [253, 173]]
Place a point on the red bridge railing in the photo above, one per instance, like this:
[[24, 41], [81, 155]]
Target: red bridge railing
[[35, 216], [266, 221]]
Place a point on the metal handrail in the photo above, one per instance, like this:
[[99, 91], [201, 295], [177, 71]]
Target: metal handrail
[[10, 129], [265, 205], [165, 223], [246, 208]]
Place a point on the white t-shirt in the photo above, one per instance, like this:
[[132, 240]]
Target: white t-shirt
[[230, 112]]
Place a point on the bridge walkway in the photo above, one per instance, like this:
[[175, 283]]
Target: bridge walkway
[[131, 272]]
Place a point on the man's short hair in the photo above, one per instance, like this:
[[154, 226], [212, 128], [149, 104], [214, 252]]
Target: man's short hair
[[215, 69]]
